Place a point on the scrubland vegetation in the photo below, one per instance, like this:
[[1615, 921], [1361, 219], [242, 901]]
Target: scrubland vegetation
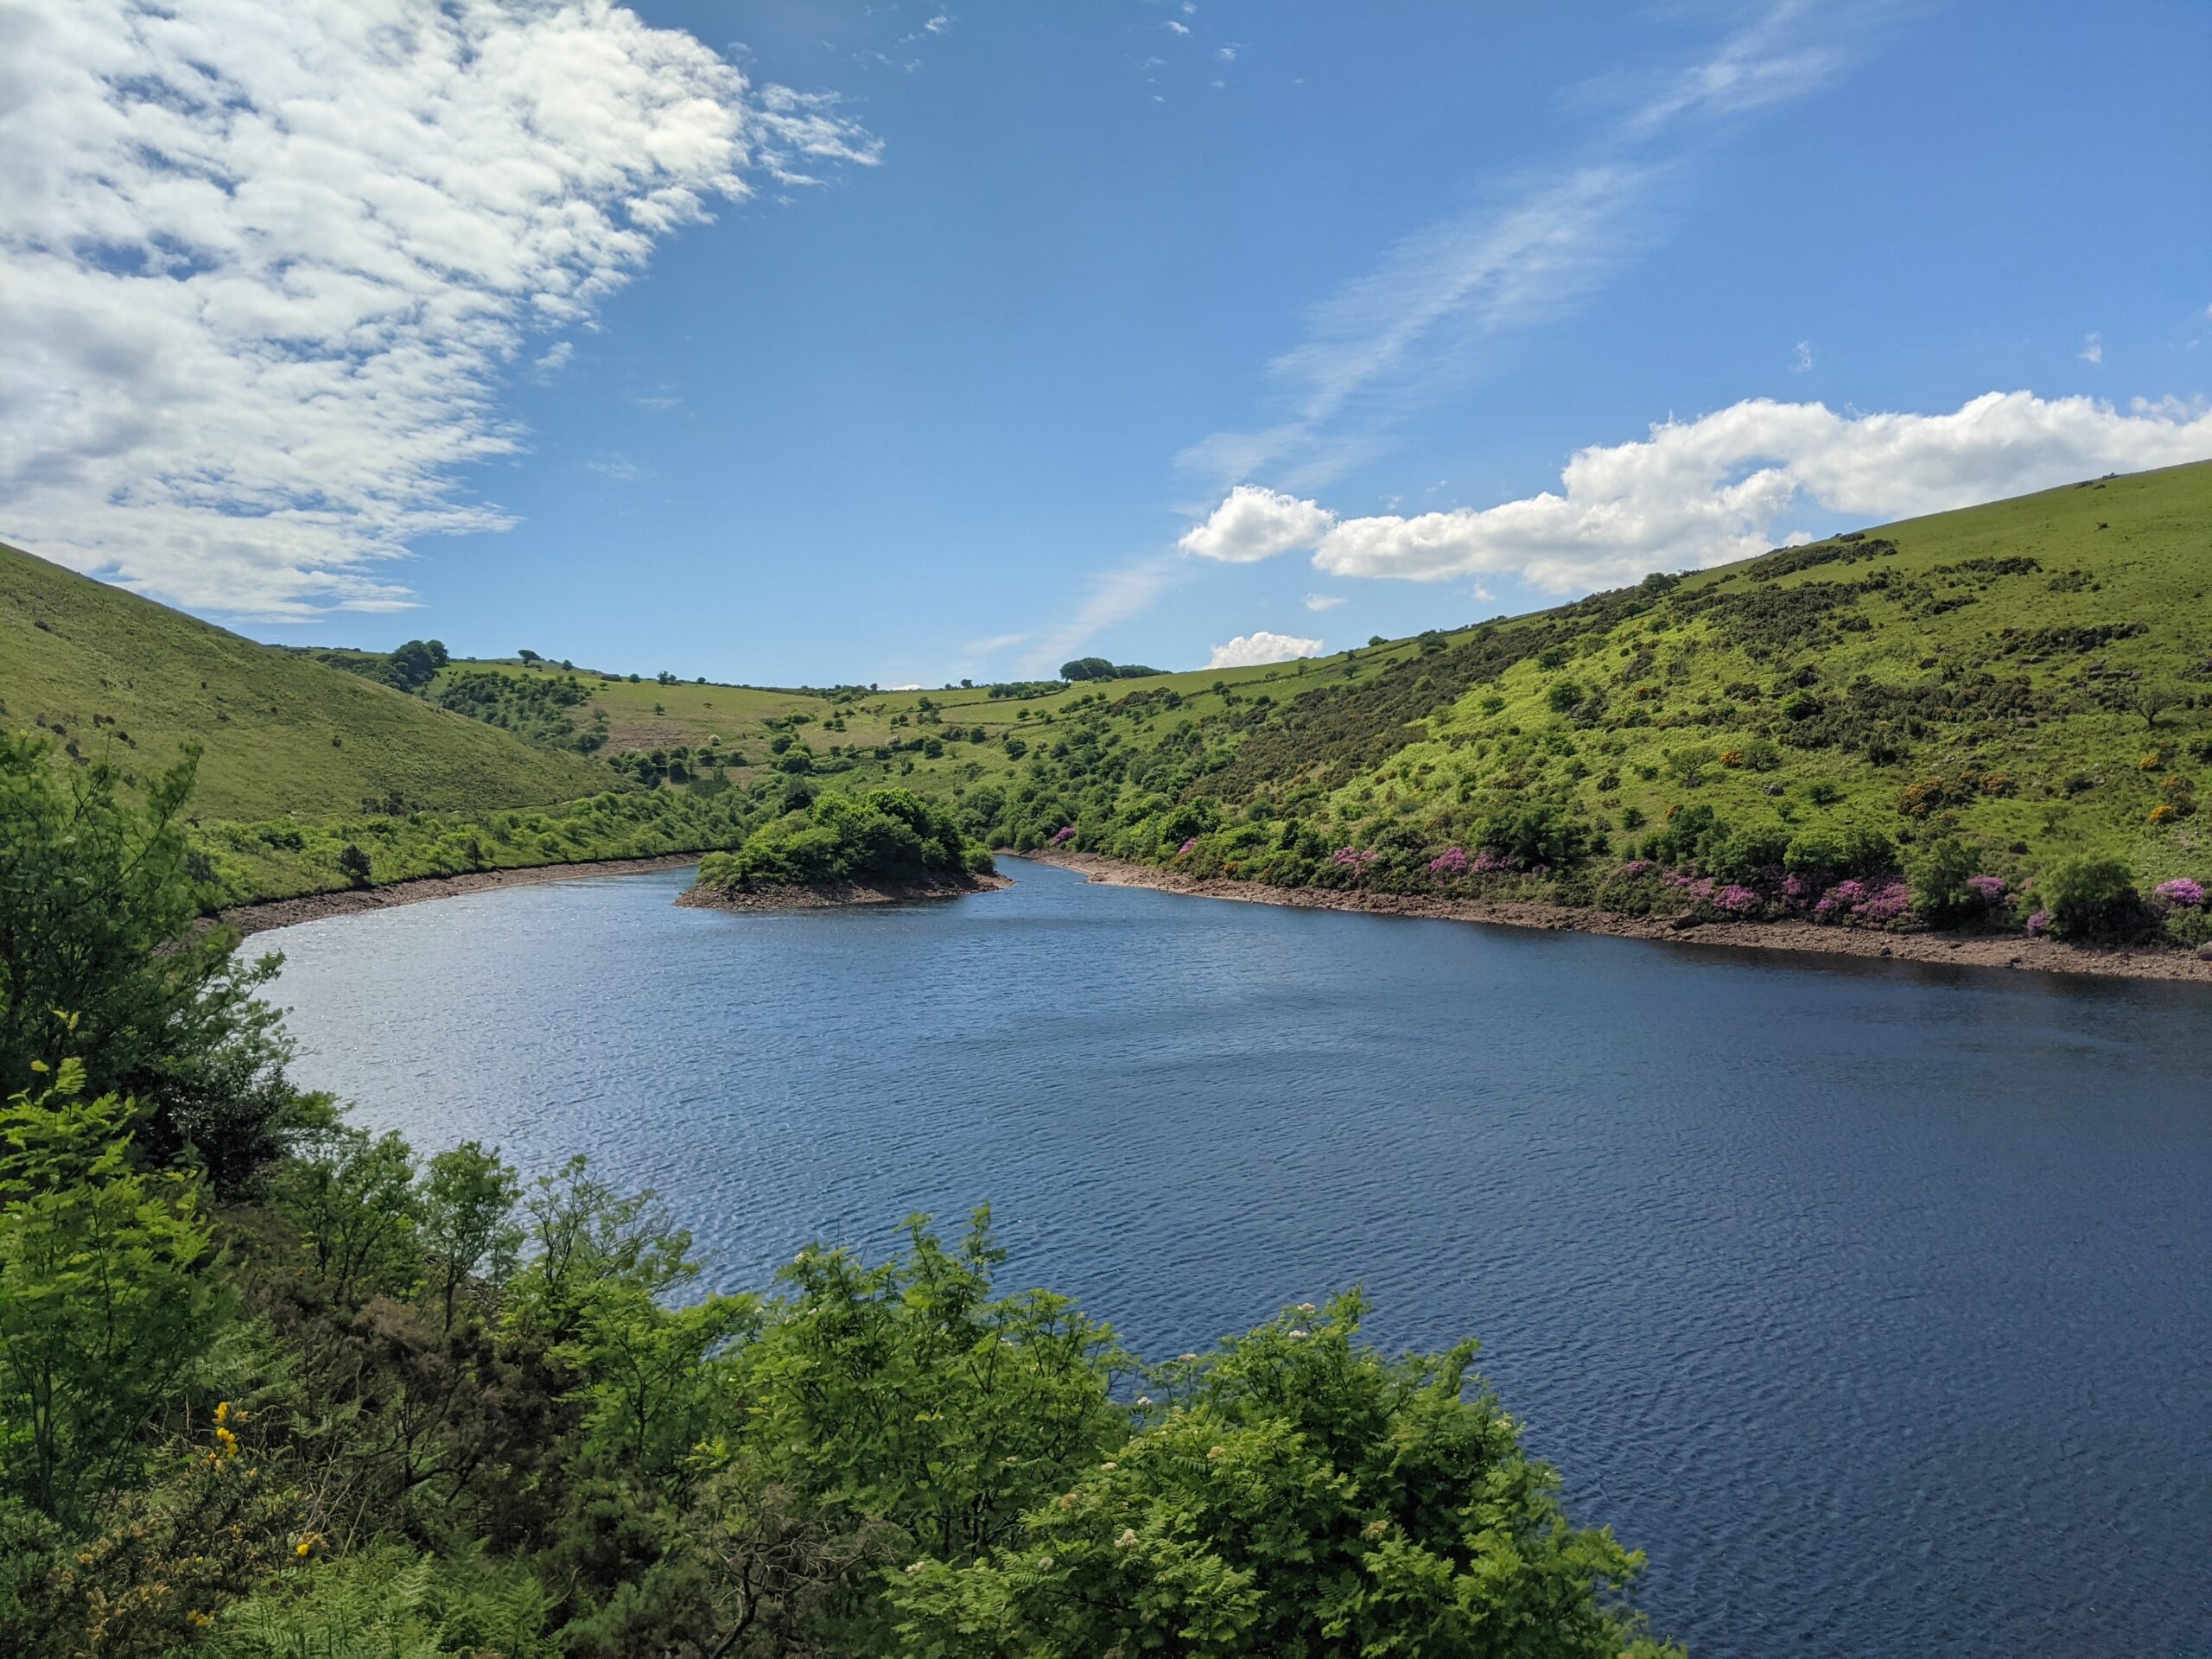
[[273, 1386], [1965, 720]]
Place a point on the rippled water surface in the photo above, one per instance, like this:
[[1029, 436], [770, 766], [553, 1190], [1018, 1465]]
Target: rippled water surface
[[1870, 1300]]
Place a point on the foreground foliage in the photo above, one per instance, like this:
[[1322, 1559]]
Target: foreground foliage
[[321, 1396]]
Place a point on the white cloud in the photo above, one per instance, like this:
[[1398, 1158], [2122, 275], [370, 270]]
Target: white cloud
[[619, 468], [1802, 362], [1174, 28], [1253, 524], [1324, 601], [1250, 650], [1721, 487], [1227, 54], [261, 268], [2092, 348], [938, 25], [557, 360]]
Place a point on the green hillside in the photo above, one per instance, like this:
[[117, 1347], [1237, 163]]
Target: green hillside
[[2029, 679], [113, 676]]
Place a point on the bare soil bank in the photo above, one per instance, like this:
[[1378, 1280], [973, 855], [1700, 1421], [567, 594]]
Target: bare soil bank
[[314, 907], [2044, 956], [830, 898]]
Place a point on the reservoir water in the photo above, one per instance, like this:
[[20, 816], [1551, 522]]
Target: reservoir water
[[1874, 1302]]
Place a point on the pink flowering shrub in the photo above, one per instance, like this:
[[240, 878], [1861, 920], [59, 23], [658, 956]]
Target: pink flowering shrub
[[1063, 836], [1991, 890], [2039, 924], [1354, 859], [1453, 860], [1184, 849], [2182, 893], [1739, 900]]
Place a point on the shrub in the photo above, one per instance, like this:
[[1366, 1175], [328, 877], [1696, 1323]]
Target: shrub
[[1942, 880], [2090, 898]]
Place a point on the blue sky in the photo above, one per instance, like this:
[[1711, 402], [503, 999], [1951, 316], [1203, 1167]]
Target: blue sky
[[983, 332]]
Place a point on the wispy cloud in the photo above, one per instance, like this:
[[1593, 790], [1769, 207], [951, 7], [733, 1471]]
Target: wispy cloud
[[1801, 362], [1117, 596], [1324, 601], [620, 469], [2092, 348], [263, 269], [1388, 342]]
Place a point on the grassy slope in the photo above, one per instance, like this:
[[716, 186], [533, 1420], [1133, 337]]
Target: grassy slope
[[76, 650], [1424, 736], [2030, 744]]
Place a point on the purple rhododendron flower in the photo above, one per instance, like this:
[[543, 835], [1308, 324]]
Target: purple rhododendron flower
[[1354, 858], [1453, 860], [1636, 869], [2181, 892], [2039, 923], [1064, 835], [1989, 888], [1737, 900], [1187, 846]]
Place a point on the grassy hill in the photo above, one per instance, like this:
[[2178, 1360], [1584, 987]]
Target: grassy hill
[[114, 676], [2032, 679]]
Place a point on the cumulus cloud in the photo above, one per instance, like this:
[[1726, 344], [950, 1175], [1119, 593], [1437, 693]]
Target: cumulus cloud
[[1253, 524], [1250, 650], [1174, 28], [2092, 348], [262, 268], [1324, 601], [1722, 487]]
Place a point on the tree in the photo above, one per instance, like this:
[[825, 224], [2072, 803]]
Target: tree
[[98, 916], [529, 656], [105, 1296], [353, 864], [2152, 698], [2089, 898], [352, 1195], [1938, 879], [413, 665], [1296, 1493], [468, 1227]]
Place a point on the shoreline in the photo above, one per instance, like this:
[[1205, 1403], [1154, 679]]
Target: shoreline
[[841, 896], [264, 914], [1805, 939]]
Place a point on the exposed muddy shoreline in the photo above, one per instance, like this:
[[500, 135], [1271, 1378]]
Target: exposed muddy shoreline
[[1958, 950], [314, 907], [839, 896]]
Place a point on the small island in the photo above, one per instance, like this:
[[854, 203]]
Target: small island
[[885, 847]]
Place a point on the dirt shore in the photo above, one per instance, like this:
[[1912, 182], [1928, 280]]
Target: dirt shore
[[2040, 956], [833, 897], [314, 907]]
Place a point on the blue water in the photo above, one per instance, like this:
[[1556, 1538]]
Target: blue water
[[1873, 1301]]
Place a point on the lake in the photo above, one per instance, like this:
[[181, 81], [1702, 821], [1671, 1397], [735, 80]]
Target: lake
[[1871, 1301]]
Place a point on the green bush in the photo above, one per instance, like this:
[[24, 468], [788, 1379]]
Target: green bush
[[1938, 878], [2091, 898]]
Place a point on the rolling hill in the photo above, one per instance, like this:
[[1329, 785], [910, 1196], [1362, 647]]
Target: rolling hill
[[111, 675], [2032, 679]]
